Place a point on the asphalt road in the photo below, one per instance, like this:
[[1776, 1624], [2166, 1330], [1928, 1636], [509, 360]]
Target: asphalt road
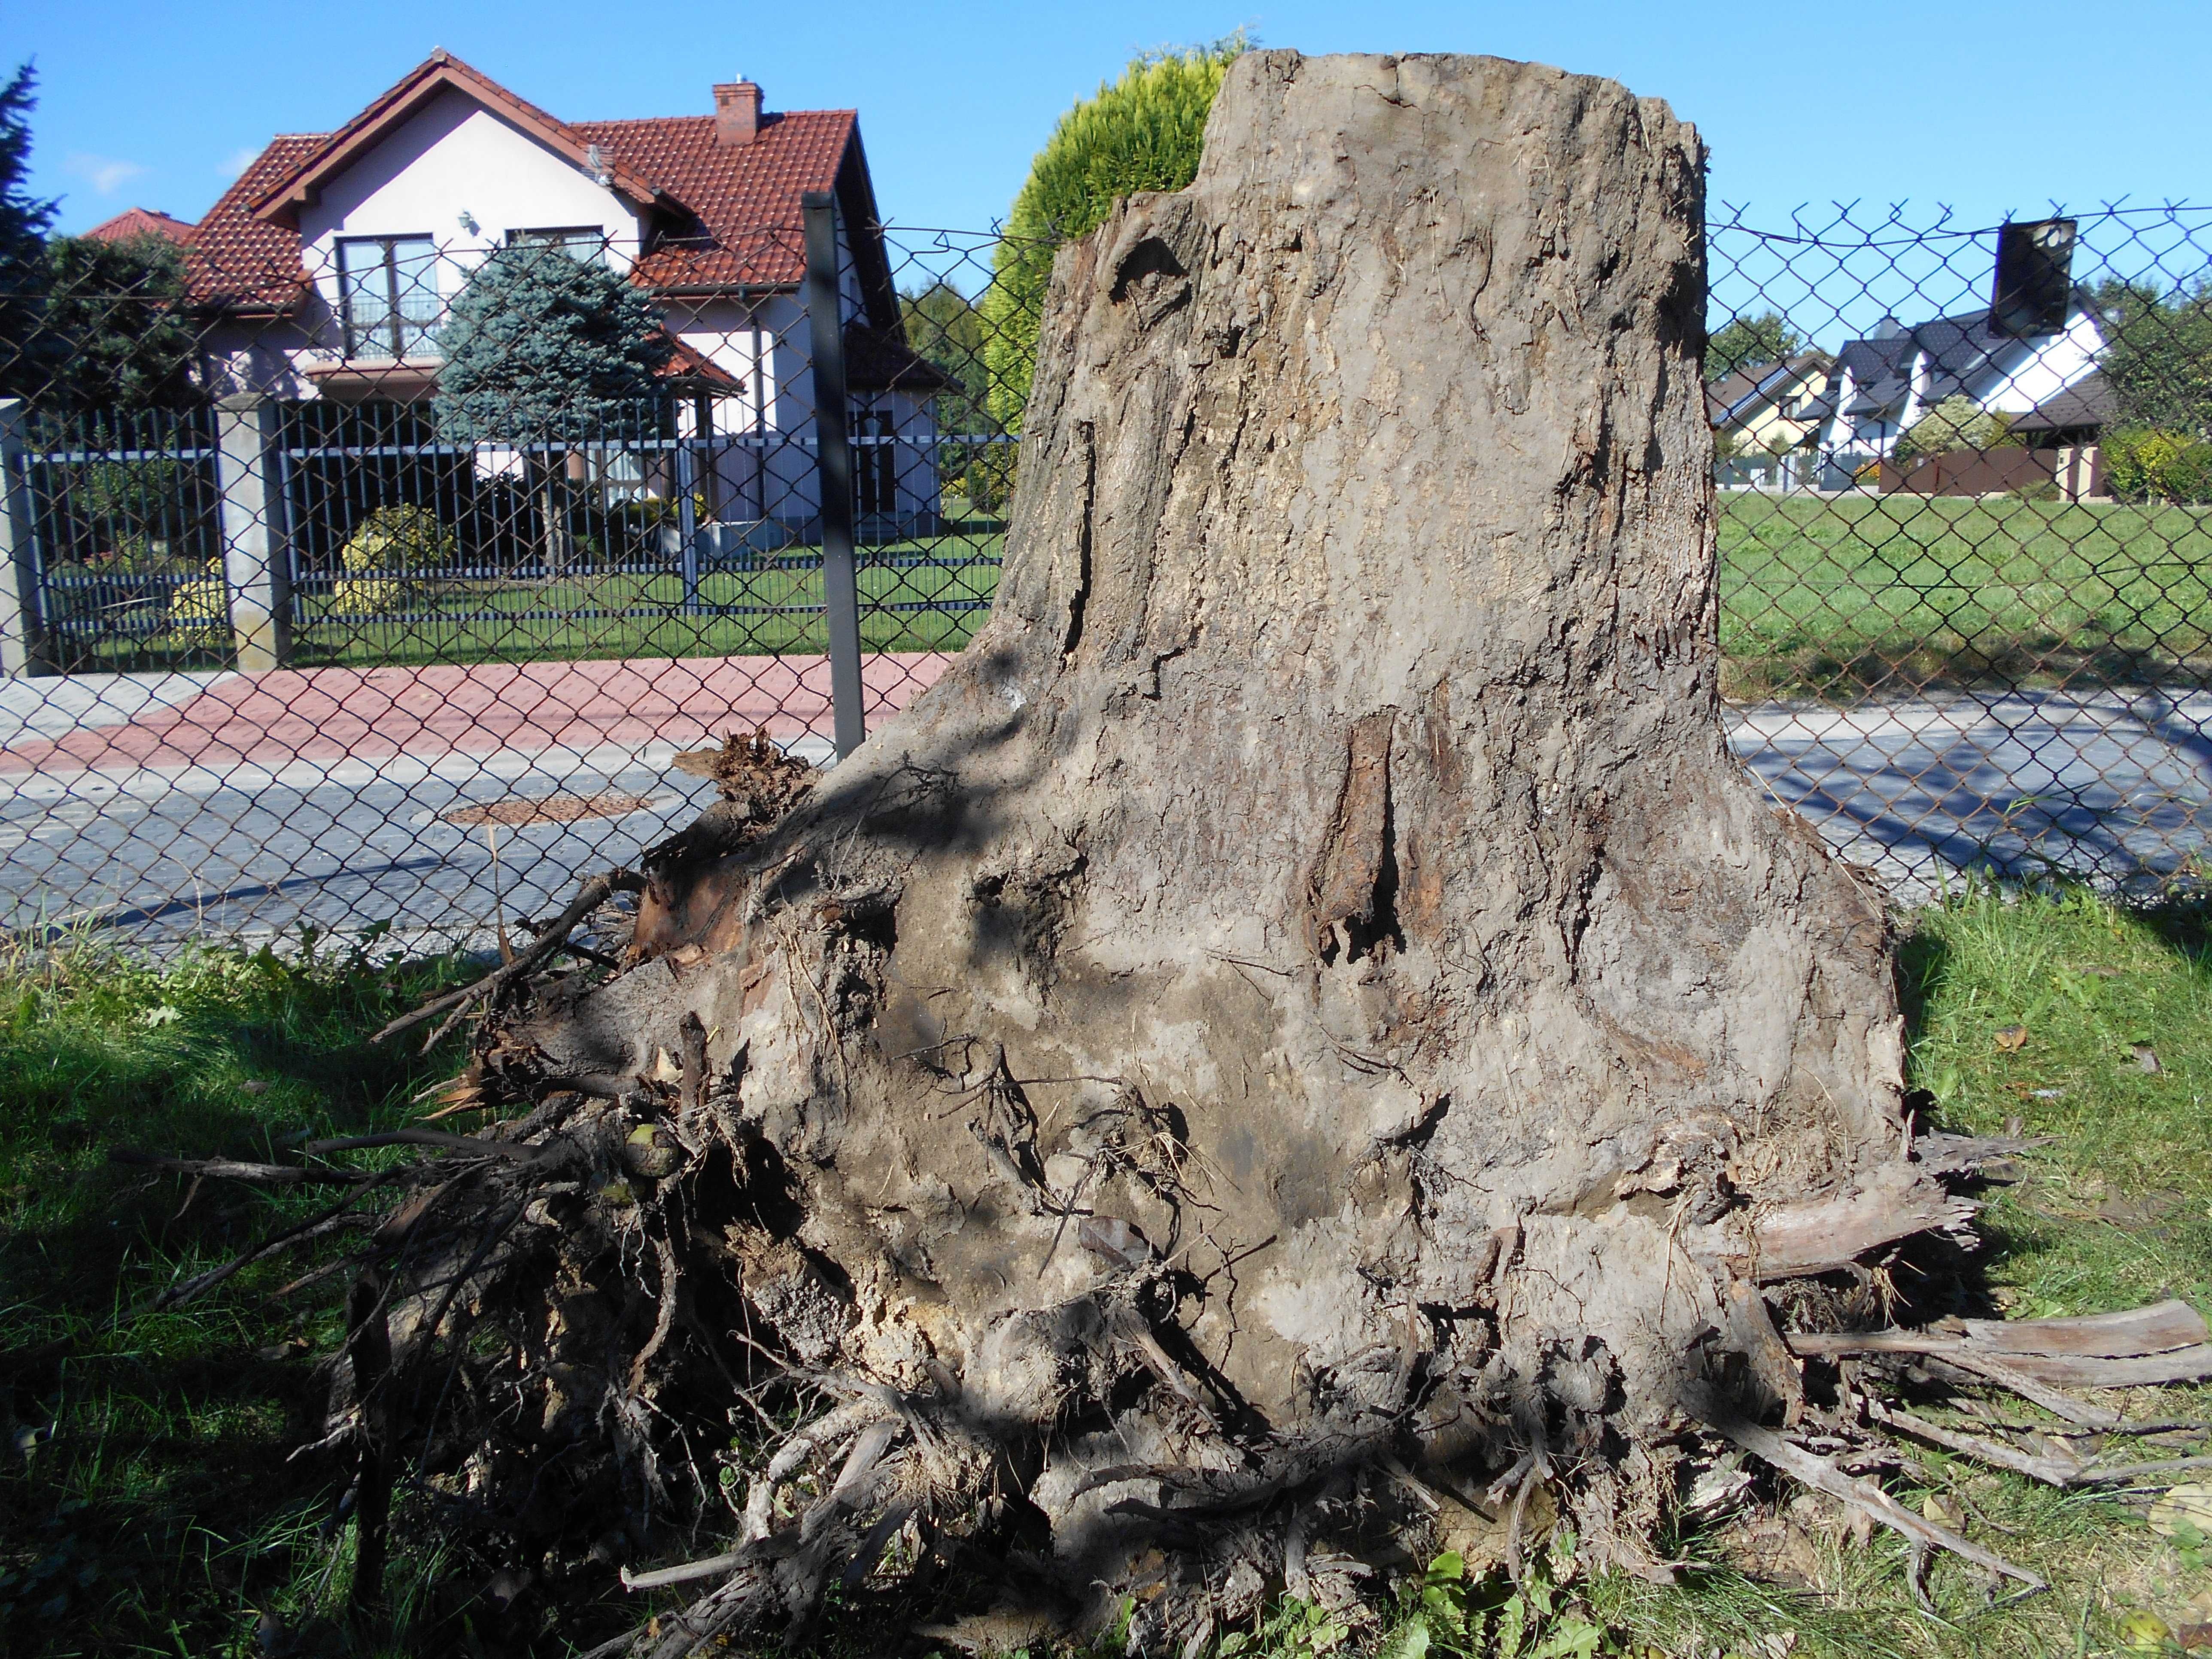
[[109, 816]]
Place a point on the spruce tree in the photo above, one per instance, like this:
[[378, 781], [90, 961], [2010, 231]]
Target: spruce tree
[[1143, 132], [542, 348], [27, 359], [117, 308]]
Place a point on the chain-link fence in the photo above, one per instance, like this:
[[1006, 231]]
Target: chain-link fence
[[396, 588], [1963, 531]]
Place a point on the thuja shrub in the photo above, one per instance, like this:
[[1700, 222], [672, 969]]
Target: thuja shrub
[[1143, 132], [2157, 464]]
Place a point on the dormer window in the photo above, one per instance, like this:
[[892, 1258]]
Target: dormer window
[[388, 296]]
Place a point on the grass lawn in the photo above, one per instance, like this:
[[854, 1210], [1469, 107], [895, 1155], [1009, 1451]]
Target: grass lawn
[[1838, 596], [162, 1511], [905, 606], [1831, 598]]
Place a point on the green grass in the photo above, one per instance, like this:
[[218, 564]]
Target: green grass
[[590, 616], [1838, 596], [1823, 598], [163, 1509], [163, 1513]]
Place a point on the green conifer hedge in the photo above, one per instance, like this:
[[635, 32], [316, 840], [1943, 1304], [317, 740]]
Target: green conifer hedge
[[1143, 132]]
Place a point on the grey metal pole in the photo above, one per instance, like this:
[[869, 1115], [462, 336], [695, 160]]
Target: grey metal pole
[[687, 524], [256, 564], [833, 452], [22, 636]]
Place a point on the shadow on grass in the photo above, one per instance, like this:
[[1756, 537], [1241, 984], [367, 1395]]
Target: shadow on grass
[[157, 1501]]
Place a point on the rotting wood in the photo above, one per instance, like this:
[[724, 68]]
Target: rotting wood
[[1865, 1497]]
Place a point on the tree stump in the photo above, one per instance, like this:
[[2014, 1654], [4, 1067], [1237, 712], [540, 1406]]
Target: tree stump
[[1309, 988]]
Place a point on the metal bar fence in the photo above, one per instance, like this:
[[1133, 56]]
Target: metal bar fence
[[334, 641]]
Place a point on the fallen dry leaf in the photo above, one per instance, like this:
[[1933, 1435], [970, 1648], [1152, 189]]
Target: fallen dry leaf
[[2140, 1210], [2183, 1506], [2013, 1038], [1944, 1511], [2145, 1630]]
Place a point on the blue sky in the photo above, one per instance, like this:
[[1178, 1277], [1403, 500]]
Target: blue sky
[[1988, 108]]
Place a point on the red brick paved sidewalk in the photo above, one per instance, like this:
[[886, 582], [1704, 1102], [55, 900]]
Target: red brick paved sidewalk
[[336, 713]]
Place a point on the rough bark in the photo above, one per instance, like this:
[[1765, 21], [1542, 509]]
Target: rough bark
[[1310, 985]]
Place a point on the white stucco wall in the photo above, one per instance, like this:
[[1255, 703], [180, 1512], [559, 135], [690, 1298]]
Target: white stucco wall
[[453, 158], [2049, 366]]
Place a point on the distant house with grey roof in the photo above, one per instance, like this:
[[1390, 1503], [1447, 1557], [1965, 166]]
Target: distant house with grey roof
[[1880, 384], [1758, 416]]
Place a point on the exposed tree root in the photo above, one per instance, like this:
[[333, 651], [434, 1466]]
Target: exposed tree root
[[553, 1318]]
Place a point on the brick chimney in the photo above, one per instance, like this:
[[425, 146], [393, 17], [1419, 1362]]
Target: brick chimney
[[737, 112]]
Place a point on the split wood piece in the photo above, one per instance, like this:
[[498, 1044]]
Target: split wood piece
[[1799, 1240], [2166, 1342], [594, 893], [2052, 1471], [264, 1175], [337, 1218], [1865, 1497], [519, 1153], [685, 1573], [2060, 1471], [369, 1341], [2006, 1373], [2126, 1474], [2158, 1329], [1949, 1154]]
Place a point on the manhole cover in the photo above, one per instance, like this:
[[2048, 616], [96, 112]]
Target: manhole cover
[[550, 808]]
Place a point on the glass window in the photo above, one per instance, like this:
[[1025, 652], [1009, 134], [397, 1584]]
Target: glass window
[[388, 296], [586, 242]]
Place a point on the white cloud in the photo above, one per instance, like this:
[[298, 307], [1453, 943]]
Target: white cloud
[[237, 162], [105, 173]]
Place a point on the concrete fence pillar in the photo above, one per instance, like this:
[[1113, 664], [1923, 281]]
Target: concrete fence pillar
[[23, 631], [256, 557]]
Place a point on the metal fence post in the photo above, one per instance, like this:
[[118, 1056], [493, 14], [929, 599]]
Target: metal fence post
[[256, 563], [833, 453], [22, 636], [687, 519]]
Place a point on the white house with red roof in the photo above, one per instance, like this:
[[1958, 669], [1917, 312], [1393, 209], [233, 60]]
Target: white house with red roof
[[326, 269]]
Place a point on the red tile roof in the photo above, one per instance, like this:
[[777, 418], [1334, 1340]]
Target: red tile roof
[[241, 264], [134, 222], [745, 196], [728, 215], [688, 365]]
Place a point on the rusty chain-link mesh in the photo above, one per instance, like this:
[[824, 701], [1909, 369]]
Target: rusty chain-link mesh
[[1963, 535], [289, 639], [291, 643]]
